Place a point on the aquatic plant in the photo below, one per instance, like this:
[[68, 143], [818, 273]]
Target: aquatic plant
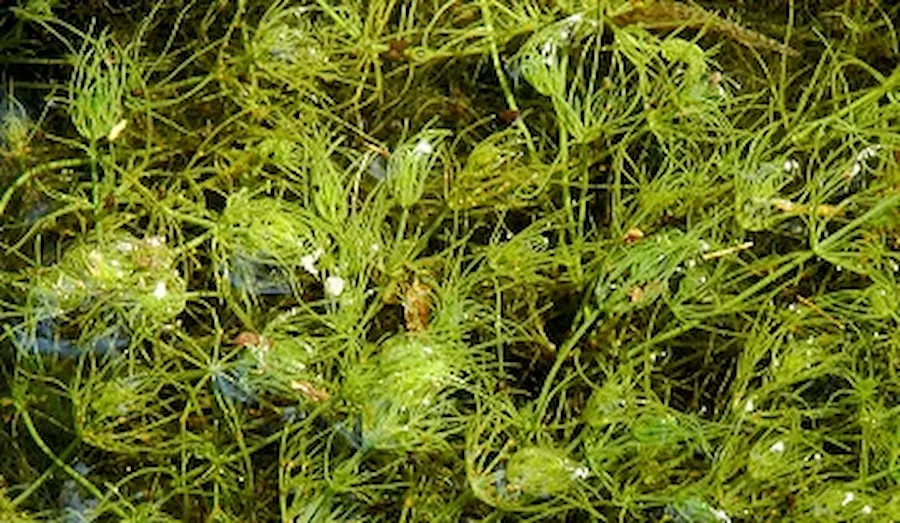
[[330, 260]]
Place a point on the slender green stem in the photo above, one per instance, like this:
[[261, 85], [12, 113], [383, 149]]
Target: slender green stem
[[882, 206], [36, 484], [563, 162], [501, 77], [887, 86], [34, 171], [95, 178], [760, 285], [72, 473], [193, 220], [561, 357], [401, 227]]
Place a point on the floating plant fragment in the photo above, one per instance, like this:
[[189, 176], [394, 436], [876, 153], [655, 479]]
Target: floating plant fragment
[[500, 171], [279, 362], [635, 275], [401, 392], [292, 47], [135, 278], [542, 471], [265, 245]]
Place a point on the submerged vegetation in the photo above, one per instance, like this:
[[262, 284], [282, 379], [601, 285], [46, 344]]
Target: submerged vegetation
[[462, 260]]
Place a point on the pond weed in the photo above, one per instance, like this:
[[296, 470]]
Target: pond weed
[[443, 261]]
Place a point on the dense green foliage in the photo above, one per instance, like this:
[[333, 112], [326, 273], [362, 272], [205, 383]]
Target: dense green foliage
[[449, 260]]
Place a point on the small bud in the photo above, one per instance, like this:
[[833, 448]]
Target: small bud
[[632, 236]]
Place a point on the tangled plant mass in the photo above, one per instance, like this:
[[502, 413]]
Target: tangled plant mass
[[440, 261]]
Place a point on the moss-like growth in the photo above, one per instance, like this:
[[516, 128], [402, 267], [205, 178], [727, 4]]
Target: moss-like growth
[[103, 294], [394, 260], [542, 472]]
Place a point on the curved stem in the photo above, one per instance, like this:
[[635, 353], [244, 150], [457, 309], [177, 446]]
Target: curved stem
[[561, 357], [36, 484], [501, 77], [72, 473], [34, 171]]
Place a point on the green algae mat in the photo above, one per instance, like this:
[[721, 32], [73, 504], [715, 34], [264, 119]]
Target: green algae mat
[[449, 261]]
